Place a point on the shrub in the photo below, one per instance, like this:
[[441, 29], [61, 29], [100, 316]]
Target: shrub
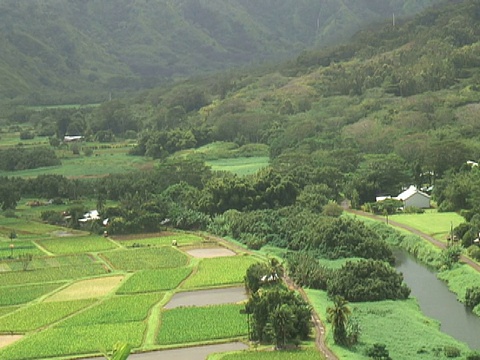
[[474, 252], [367, 280], [26, 135], [472, 296], [413, 210], [378, 352], [451, 351], [473, 356]]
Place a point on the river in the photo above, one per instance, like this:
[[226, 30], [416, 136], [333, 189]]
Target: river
[[438, 302]]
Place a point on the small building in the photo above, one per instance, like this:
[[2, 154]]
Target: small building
[[72, 138], [414, 197]]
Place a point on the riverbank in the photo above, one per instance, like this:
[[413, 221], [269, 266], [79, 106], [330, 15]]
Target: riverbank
[[400, 325]]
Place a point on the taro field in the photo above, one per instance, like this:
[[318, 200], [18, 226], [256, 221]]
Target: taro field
[[77, 295]]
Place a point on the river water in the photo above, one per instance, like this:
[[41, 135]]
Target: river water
[[438, 302]]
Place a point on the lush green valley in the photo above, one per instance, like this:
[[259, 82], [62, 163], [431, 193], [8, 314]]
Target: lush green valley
[[64, 52], [267, 156]]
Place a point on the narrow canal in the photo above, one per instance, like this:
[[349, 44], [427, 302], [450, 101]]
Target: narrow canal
[[438, 302]]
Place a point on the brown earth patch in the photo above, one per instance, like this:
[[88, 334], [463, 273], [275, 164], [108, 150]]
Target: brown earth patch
[[9, 339], [87, 289], [203, 253]]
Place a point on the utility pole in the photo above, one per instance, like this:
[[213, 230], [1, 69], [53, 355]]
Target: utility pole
[[393, 19]]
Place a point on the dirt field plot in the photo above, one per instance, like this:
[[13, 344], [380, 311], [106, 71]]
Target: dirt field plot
[[205, 253], [9, 339], [88, 289], [146, 258], [207, 297]]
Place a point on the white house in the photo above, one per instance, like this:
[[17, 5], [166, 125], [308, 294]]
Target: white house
[[414, 197]]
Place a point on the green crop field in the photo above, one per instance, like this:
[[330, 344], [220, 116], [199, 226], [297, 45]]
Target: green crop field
[[76, 245], [59, 341], [14, 295], [241, 165], [182, 239], [194, 324], [146, 258], [154, 280], [51, 274], [220, 271], [24, 227], [41, 314], [117, 309], [301, 354], [20, 247]]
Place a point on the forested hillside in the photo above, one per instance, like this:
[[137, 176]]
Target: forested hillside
[[59, 51]]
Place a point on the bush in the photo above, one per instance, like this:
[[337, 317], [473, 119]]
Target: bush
[[473, 356], [472, 296], [26, 135], [474, 252], [378, 352], [413, 210], [367, 280], [451, 351]]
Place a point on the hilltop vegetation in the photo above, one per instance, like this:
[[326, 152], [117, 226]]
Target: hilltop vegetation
[[57, 51]]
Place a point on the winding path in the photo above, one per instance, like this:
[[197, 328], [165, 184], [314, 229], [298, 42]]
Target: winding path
[[427, 237], [317, 323]]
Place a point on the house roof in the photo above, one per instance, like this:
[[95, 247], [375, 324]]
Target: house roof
[[412, 190]]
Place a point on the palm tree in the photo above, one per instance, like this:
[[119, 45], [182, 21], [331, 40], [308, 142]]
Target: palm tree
[[338, 315]]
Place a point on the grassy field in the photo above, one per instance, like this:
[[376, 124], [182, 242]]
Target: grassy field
[[301, 354], [431, 222], [399, 325], [240, 166], [219, 271], [204, 323]]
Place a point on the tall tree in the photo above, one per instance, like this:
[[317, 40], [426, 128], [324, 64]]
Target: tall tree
[[338, 315]]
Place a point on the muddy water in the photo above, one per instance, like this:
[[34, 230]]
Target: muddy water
[[191, 353], [207, 297], [438, 302]]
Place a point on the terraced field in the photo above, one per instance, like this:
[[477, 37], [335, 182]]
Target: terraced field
[[80, 295]]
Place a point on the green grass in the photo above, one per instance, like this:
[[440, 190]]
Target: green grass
[[118, 309], [24, 227], [302, 354], [41, 314], [220, 271], [182, 239], [76, 340], [76, 245], [399, 325], [195, 324], [146, 258], [45, 262], [240, 166], [111, 161], [7, 310], [51, 274], [154, 280], [15, 295], [431, 222], [460, 278], [21, 247]]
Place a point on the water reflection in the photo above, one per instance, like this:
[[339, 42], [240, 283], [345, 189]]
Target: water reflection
[[438, 302]]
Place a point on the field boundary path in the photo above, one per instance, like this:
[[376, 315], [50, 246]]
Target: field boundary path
[[317, 323], [417, 232]]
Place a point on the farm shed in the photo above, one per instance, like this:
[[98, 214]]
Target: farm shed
[[414, 197]]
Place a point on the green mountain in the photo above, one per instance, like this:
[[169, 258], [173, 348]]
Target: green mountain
[[61, 51]]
